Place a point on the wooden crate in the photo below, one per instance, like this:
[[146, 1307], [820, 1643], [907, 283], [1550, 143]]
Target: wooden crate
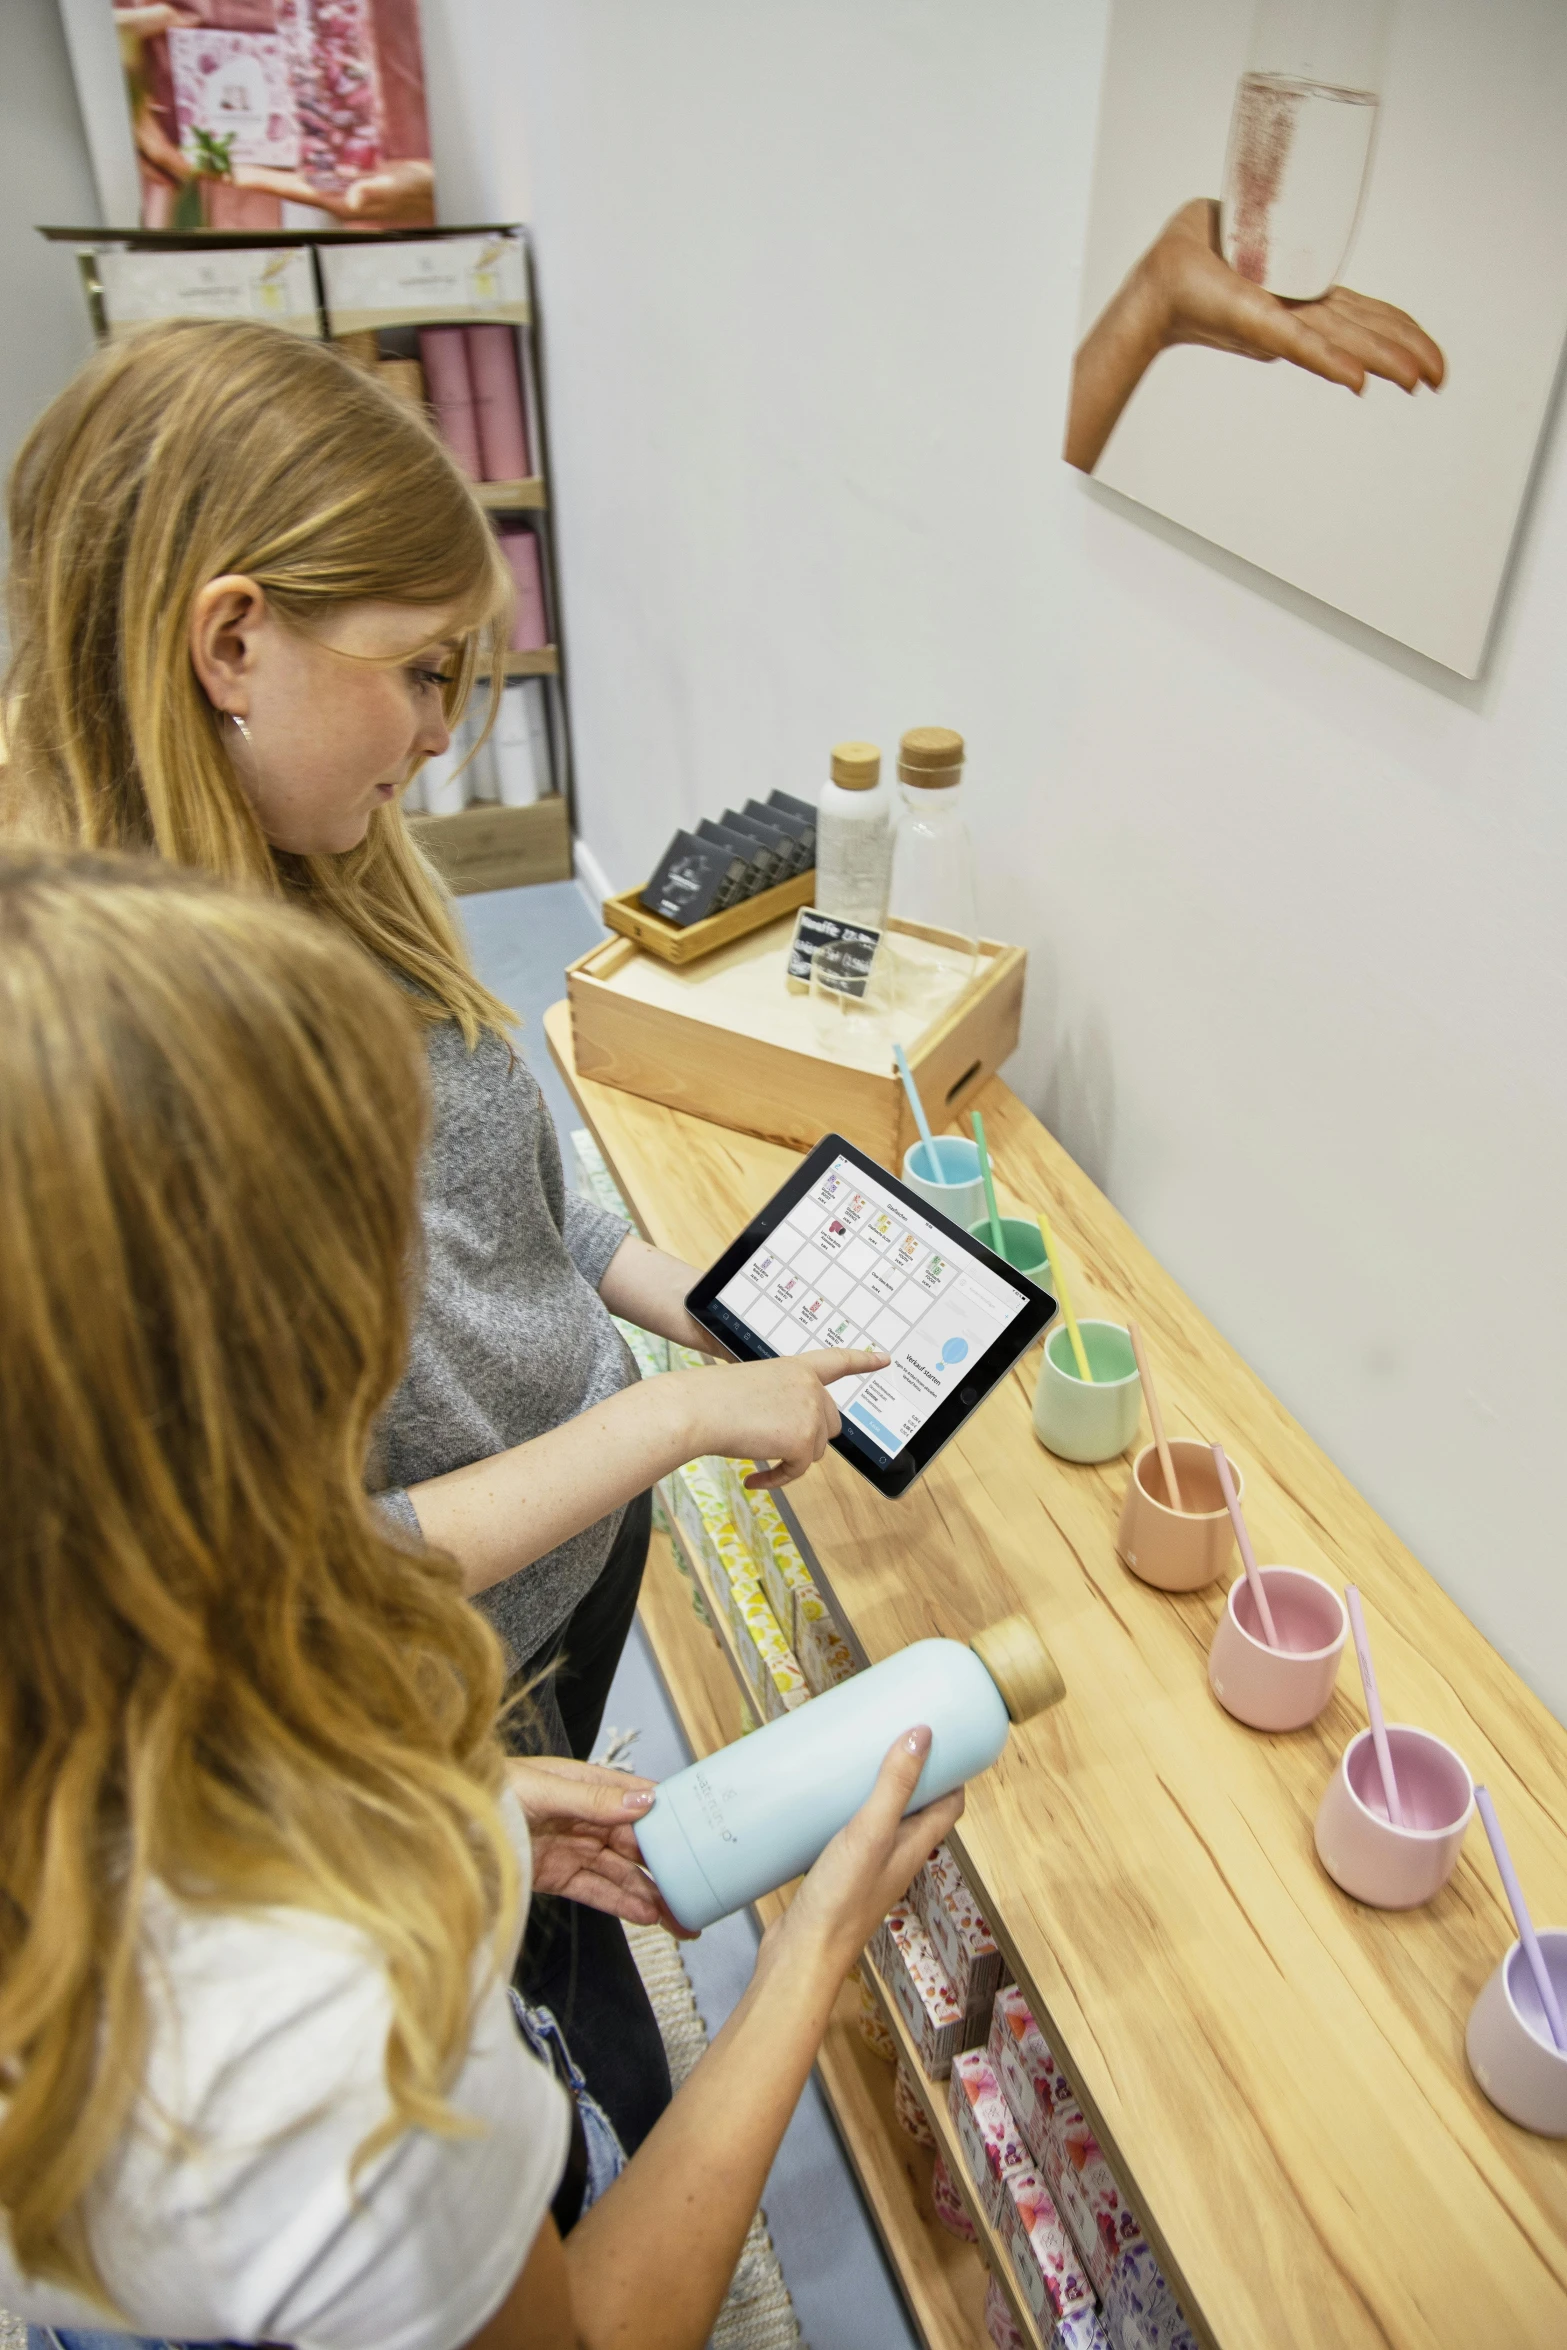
[[729, 1040], [487, 846], [673, 943]]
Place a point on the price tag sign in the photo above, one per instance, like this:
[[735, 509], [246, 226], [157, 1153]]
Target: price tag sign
[[848, 971]]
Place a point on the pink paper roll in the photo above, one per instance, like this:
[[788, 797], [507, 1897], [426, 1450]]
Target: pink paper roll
[[530, 630], [497, 399], [444, 351]]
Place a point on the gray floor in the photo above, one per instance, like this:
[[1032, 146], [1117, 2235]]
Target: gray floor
[[521, 940]]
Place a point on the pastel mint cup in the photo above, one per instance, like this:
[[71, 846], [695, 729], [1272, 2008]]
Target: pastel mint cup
[[1357, 1843], [1509, 2045], [1022, 1243], [953, 1185], [1088, 1420]]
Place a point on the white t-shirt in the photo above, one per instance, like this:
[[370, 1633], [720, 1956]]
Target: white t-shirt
[[267, 2045]]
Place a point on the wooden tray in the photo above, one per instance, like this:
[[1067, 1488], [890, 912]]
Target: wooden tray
[[674, 944], [729, 1040]]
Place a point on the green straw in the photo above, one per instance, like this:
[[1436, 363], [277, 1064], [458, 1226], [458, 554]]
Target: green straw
[[990, 1189]]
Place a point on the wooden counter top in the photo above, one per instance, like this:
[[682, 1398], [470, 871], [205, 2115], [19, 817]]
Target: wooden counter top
[[1277, 2073]]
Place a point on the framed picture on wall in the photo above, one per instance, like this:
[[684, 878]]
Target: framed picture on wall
[[1325, 291]]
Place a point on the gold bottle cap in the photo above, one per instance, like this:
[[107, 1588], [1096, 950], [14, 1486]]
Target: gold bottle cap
[[857, 766], [930, 757], [1021, 1666]]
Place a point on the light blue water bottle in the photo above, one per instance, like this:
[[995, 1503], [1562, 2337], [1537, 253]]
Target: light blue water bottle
[[757, 1813]]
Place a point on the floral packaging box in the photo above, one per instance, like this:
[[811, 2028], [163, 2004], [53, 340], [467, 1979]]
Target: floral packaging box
[[925, 1999], [1141, 2312], [782, 1569], [964, 1943], [825, 1656], [1088, 2195], [1044, 2259], [1028, 2073], [986, 2130], [1000, 2324]]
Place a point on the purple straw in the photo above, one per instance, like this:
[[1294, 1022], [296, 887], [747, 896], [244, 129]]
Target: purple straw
[[1522, 1920], [1248, 1556], [1368, 1682]]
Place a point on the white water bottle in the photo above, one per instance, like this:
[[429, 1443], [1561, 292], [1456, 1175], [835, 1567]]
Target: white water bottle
[[854, 837], [757, 1813]]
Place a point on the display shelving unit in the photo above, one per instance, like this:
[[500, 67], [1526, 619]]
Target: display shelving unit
[[485, 845]]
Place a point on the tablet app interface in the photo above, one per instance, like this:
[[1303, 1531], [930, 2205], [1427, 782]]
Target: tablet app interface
[[851, 1265]]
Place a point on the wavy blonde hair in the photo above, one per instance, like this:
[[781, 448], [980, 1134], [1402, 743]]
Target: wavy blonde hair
[[187, 452], [217, 1670]]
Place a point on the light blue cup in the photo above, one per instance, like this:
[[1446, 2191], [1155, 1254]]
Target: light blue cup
[[953, 1185], [1079, 1420]]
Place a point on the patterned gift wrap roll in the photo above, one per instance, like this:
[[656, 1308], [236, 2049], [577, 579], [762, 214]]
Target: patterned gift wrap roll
[[1141, 2312], [1044, 2260], [924, 1997], [948, 2205], [964, 1943], [825, 1656], [1031, 2080], [1000, 2324], [992, 2145], [908, 2111], [873, 2025]]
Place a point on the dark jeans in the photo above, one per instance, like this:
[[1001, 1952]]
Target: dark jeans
[[576, 1961]]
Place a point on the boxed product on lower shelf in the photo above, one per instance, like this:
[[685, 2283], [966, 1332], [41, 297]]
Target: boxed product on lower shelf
[[778, 1561], [1032, 2080], [1044, 2259], [825, 1656], [696, 1503], [964, 1943], [1141, 2312], [912, 1972], [987, 2130]]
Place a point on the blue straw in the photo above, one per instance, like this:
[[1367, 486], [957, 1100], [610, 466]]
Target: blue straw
[[918, 1107]]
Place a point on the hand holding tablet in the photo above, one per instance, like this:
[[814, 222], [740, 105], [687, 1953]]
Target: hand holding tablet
[[846, 1254]]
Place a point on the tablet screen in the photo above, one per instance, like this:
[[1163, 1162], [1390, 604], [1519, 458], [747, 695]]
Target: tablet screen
[[853, 1263]]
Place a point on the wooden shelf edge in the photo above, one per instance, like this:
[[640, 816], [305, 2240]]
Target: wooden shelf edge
[[941, 2278], [513, 497], [490, 846]]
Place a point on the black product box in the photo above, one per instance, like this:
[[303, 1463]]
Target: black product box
[[695, 877], [758, 860], [790, 851], [775, 846], [793, 807], [802, 828]]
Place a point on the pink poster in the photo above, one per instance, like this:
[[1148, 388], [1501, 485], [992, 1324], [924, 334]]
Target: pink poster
[[242, 108]]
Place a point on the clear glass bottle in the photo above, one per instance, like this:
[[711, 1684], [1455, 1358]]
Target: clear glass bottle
[[933, 933]]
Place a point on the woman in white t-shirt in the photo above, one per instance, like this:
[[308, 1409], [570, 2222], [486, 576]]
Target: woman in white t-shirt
[[263, 1863]]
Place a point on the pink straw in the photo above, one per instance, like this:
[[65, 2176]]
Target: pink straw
[[1368, 1682], [1248, 1557], [1522, 1920]]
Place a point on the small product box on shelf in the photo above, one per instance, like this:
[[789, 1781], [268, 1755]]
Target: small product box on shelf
[[925, 1999], [782, 1569], [964, 1942], [1033, 2081], [987, 2131], [948, 2204], [1141, 2312], [825, 1656], [730, 1476], [1000, 2324], [1089, 2196], [1044, 2260]]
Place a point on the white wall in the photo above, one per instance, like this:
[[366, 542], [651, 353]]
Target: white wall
[[44, 176], [1293, 898]]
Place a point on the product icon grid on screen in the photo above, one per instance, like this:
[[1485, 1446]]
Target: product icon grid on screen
[[851, 1265]]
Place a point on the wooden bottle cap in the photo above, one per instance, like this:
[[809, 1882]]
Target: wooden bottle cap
[[856, 766], [1021, 1666], [931, 757]]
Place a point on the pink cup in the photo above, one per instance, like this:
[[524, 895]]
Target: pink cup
[[1509, 2045], [1280, 1688], [1358, 1845]]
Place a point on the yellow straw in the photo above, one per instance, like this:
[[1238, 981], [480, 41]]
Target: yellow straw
[[1067, 1315]]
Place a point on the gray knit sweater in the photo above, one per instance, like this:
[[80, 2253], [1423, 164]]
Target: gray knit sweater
[[512, 1337]]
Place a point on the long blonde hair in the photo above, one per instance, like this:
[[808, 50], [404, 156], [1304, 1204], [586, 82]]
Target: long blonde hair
[[218, 1670], [186, 452]]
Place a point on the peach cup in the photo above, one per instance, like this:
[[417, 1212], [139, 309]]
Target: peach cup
[[1358, 1845], [1278, 1688], [1509, 2046], [1177, 1550]]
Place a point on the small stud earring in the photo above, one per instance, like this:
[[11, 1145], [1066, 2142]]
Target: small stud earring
[[236, 720]]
